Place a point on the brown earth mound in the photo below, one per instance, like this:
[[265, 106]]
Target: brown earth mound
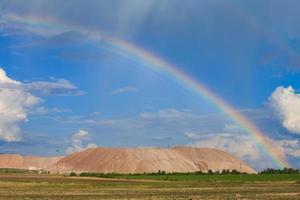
[[27, 162], [139, 160]]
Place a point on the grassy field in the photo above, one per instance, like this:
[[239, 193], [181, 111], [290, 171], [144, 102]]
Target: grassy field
[[33, 186], [202, 177]]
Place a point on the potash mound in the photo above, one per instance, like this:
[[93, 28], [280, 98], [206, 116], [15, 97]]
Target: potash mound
[[27, 162], [140, 160]]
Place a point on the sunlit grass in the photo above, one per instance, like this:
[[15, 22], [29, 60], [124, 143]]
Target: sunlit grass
[[22, 186]]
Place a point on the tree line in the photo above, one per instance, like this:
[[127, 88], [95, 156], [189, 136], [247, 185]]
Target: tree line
[[280, 171], [209, 172]]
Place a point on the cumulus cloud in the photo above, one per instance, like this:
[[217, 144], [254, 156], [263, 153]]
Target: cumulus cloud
[[78, 140], [18, 100], [127, 89], [15, 104], [242, 145], [286, 103]]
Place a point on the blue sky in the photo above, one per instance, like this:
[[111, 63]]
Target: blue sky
[[83, 93]]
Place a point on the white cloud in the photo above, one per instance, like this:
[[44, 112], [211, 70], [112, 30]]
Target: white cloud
[[241, 146], [168, 115], [77, 142], [193, 136], [45, 111], [233, 128], [15, 104], [57, 87], [18, 100], [286, 103], [166, 118], [119, 123], [127, 89], [290, 147]]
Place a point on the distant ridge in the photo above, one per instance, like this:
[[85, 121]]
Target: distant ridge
[[131, 160], [139, 160], [27, 162]]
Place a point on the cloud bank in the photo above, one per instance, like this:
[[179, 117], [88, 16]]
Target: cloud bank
[[290, 147], [14, 107], [18, 100], [286, 104], [77, 142], [241, 146]]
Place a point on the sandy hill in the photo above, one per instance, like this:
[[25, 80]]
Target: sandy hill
[[139, 160], [27, 162]]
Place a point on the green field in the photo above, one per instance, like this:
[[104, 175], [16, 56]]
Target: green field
[[33, 186], [202, 177]]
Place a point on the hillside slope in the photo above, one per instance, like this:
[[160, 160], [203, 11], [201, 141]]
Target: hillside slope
[[27, 162], [139, 160]]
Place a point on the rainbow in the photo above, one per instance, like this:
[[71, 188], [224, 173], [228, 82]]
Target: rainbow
[[152, 61]]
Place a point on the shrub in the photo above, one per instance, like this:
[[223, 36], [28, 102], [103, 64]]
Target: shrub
[[73, 174]]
